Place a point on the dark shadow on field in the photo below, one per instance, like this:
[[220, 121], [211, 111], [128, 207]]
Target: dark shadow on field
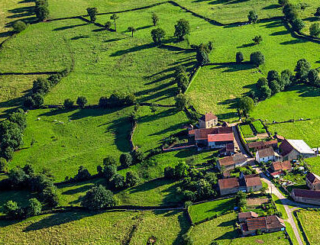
[[113, 40], [279, 33], [234, 67], [57, 219], [153, 117], [6, 34], [184, 226], [228, 235], [295, 41], [311, 19], [273, 24], [133, 49], [80, 37], [144, 27], [69, 27], [272, 6], [5, 223], [247, 45], [21, 12], [84, 188]]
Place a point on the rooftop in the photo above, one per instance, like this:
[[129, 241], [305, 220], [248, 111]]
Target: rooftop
[[301, 146], [220, 137], [208, 117], [247, 215], [313, 178], [253, 181], [228, 183], [286, 165], [231, 160], [266, 152], [306, 193]]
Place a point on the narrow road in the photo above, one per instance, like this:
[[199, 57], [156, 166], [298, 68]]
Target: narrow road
[[286, 203]]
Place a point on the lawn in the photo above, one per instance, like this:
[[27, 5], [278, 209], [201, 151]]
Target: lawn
[[159, 192], [207, 210], [58, 139], [153, 127], [99, 228], [311, 224], [314, 163], [246, 131], [259, 127], [280, 207]]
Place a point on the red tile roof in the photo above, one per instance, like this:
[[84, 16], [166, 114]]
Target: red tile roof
[[220, 137], [231, 160], [247, 215], [256, 223], [208, 117], [274, 222], [255, 181], [228, 183], [260, 144], [202, 133], [286, 165], [306, 193]]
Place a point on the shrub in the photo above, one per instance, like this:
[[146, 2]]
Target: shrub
[[3, 165], [97, 198], [132, 179], [257, 58], [126, 160], [253, 17], [83, 174], [92, 12], [82, 101], [157, 35], [182, 101], [12, 210], [109, 171], [239, 57], [41, 86], [182, 28], [315, 29], [68, 103], [298, 24], [117, 181], [19, 26], [34, 207]]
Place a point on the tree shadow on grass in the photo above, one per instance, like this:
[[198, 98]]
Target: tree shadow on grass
[[222, 207], [21, 12], [133, 49], [57, 220], [272, 6], [247, 45], [83, 188], [80, 37], [295, 41], [150, 185], [234, 67], [280, 33], [272, 24], [184, 227], [69, 27], [144, 27]]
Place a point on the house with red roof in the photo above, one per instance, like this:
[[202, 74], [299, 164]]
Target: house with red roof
[[313, 181]]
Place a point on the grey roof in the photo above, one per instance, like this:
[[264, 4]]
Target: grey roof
[[301, 146]]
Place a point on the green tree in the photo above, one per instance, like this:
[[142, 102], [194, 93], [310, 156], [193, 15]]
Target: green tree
[[253, 17], [157, 35], [49, 196], [19, 26], [3, 165], [98, 198], [38, 100], [42, 11], [239, 57], [182, 101], [182, 28], [181, 170], [273, 75], [257, 39], [290, 12], [132, 179], [274, 86], [83, 174], [82, 101], [41, 85], [246, 104], [257, 58], [265, 92], [286, 78], [109, 160], [298, 24], [317, 12], [302, 69], [261, 82], [114, 17], [203, 52], [283, 2], [313, 77], [19, 118], [155, 19], [107, 25], [138, 156], [11, 209], [126, 160], [132, 30], [117, 181], [68, 103], [109, 171], [92, 12], [315, 29], [34, 208]]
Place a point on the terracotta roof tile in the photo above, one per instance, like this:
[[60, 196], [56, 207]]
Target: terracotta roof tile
[[266, 152], [286, 165], [208, 117], [220, 137], [247, 215], [228, 183], [255, 181]]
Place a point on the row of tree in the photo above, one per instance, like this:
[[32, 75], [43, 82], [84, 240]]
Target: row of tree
[[12, 210], [41, 9], [11, 133]]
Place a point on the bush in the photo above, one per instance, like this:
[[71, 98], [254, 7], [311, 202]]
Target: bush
[[82, 101], [117, 181], [12, 210], [253, 17], [239, 57], [19, 26], [41, 86], [34, 208], [3, 165], [98, 198], [126, 160], [257, 58], [298, 24], [68, 103], [109, 171], [132, 179], [83, 174]]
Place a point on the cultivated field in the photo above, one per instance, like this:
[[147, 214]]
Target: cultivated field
[[310, 222]]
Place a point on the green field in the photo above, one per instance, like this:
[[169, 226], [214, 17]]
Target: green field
[[259, 127], [63, 140], [224, 233], [98, 228], [314, 163], [207, 210], [310, 223], [246, 131]]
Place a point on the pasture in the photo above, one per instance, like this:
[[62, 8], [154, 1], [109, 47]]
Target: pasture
[[99, 228], [310, 223]]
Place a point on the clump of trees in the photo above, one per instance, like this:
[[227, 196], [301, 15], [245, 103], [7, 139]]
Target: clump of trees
[[117, 99], [12, 210], [158, 35], [182, 28], [181, 101], [181, 78], [19, 26], [92, 12], [41, 9], [11, 134], [246, 105], [196, 185], [314, 29], [203, 51], [253, 17], [98, 197], [290, 12]]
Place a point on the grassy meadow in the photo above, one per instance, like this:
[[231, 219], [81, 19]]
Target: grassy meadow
[[200, 212], [310, 223], [99, 228], [62, 140]]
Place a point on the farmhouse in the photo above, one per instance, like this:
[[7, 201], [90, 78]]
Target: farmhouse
[[265, 155], [231, 162], [264, 224], [244, 183], [214, 138], [293, 149], [247, 215], [208, 120], [313, 181], [306, 196], [255, 146], [281, 166]]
